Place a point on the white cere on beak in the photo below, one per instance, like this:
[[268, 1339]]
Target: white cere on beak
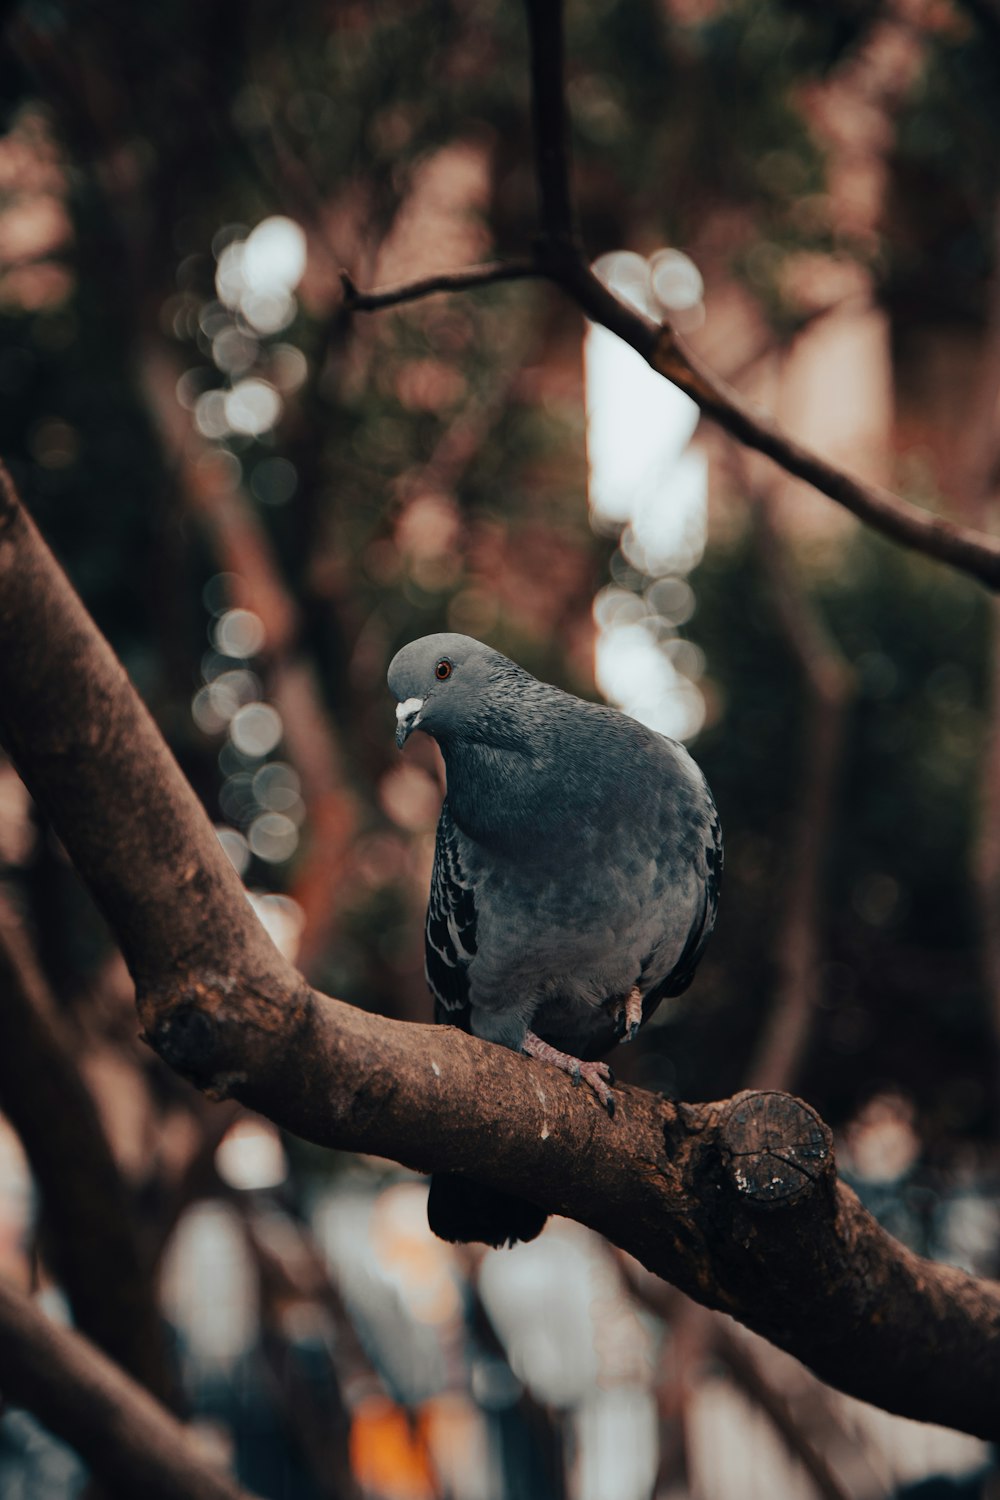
[[408, 710], [407, 719]]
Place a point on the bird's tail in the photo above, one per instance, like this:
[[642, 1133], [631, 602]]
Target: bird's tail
[[463, 1212]]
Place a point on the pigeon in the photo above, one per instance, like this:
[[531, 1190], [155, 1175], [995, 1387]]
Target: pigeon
[[575, 880]]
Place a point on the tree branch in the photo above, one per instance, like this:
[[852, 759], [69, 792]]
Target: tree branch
[[130, 1442], [719, 1341], [446, 281], [549, 119], [78, 731], [558, 256], [95, 1247], [748, 1375], [737, 1203], [242, 548], [314, 1407]]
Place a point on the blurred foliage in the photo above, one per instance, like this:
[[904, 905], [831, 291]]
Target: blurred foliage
[[902, 1000]]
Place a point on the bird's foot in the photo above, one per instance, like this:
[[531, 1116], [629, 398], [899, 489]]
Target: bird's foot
[[597, 1074], [628, 1016]]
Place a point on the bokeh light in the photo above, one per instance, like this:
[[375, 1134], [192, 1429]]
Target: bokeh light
[[251, 1157], [236, 848], [282, 918], [215, 705], [251, 407], [635, 673], [273, 837], [675, 281], [255, 728], [274, 481], [650, 488], [238, 632], [258, 275]]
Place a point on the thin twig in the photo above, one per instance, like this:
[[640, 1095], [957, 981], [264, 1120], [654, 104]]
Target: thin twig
[[969, 550], [446, 281], [558, 256]]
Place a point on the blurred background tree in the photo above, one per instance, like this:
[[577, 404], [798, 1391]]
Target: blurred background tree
[[261, 496]]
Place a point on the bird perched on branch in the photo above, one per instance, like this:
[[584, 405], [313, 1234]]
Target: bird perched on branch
[[575, 882]]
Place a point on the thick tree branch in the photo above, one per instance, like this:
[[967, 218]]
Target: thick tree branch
[[95, 1247], [131, 1443], [736, 1203], [78, 730], [558, 257]]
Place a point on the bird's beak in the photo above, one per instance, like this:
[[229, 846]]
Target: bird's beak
[[407, 719]]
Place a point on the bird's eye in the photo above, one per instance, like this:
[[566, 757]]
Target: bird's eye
[[443, 670]]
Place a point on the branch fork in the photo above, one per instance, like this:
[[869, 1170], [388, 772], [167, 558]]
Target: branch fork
[[558, 256]]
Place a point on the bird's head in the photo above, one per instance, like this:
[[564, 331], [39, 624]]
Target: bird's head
[[441, 683]]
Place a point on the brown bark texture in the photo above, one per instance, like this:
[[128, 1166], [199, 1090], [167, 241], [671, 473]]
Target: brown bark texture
[[737, 1203]]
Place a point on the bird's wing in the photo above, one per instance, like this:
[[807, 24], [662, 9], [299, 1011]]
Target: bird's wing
[[450, 933], [701, 930]]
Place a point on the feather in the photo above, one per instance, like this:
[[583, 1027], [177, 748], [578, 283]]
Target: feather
[[576, 873]]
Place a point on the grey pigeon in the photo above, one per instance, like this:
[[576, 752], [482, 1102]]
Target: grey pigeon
[[575, 882]]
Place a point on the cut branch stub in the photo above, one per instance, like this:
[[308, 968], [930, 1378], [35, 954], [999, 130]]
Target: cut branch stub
[[775, 1148]]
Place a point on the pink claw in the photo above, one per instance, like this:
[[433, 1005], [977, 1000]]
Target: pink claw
[[596, 1074]]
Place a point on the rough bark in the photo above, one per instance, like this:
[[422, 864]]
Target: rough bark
[[130, 1442], [736, 1203]]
